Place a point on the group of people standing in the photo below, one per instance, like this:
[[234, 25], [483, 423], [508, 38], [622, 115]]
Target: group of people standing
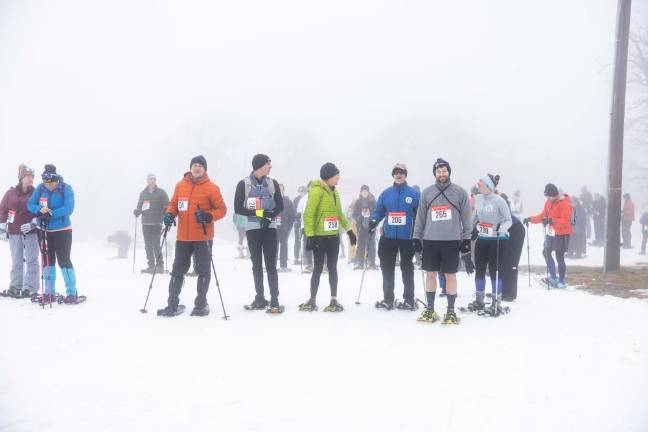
[[35, 220]]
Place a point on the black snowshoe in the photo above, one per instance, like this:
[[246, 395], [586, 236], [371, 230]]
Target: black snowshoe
[[171, 312], [72, 299], [384, 304], [278, 309], [200, 311], [408, 305], [257, 305]]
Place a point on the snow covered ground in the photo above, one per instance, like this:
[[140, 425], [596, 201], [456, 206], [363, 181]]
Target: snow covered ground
[[560, 361]]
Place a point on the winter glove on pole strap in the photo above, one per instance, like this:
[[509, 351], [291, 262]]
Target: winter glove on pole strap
[[352, 238], [27, 227], [547, 221], [203, 217], [169, 219], [526, 221]]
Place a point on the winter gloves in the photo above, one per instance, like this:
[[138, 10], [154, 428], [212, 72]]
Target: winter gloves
[[547, 221], [3, 232], [526, 221], [352, 238], [26, 228], [169, 220], [418, 245], [311, 243], [137, 212], [467, 260], [372, 226], [203, 217], [465, 246]]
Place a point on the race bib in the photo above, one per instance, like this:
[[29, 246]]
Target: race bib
[[397, 218], [183, 204], [146, 205], [11, 215], [551, 231], [278, 220], [253, 204], [441, 213], [331, 224], [366, 213], [42, 201], [486, 230]]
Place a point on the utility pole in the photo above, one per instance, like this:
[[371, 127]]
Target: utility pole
[[615, 156]]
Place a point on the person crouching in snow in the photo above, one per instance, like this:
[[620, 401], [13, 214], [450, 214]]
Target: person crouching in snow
[[198, 203]]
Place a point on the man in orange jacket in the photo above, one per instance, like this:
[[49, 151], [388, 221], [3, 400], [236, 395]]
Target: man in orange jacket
[[557, 220], [198, 203]]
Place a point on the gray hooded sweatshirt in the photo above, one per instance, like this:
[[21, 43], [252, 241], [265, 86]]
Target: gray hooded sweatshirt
[[444, 214], [491, 211]]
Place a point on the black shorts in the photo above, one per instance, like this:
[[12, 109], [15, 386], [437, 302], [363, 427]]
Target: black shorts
[[558, 244], [441, 256]]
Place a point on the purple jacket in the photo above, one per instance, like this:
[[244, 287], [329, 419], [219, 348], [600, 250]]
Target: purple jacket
[[14, 204]]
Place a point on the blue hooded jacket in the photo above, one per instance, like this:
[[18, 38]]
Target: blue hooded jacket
[[399, 199], [60, 201]]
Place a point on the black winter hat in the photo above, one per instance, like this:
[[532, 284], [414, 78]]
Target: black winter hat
[[199, 160], [364, 188], [259, 160], [551, 190], [441, 163], [50, 173], [328, 170]]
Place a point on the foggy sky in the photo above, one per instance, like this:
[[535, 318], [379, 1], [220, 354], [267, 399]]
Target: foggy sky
[[111, 91]]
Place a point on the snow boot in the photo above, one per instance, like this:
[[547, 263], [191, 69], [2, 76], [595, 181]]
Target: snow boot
[[171, 311], [476, 305], [384, 304], [200, 310]]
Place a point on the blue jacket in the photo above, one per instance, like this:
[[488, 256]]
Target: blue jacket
[[399, 199], [60, 201]]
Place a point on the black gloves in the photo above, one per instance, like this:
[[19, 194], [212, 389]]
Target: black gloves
[[372, 226], [526, 221], [137, 212], [311, 243], [465, 246], [467, 260], [474, 234], [547, 221], [418, 246], [203, 217], [352, 238]]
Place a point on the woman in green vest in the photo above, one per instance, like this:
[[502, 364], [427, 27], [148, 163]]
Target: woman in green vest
[[322, 219]]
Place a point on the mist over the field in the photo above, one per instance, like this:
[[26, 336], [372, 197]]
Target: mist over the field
[[111, 91]]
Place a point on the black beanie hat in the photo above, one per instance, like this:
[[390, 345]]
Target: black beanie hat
[[199, 160], [50, 173], [441, 163], [364, 188], [551, 190], [328, 170], [259, 160]]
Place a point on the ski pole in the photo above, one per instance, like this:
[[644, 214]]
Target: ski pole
[[528, 253], [547, 253], [159, 253], [211, 258], [42, 260], [166, 257], [47, 261], [135, 244], [364, 268]]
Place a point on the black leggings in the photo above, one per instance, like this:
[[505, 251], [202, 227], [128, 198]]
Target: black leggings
[[262, 244], [329, 247], [59, 246], [486, 254]]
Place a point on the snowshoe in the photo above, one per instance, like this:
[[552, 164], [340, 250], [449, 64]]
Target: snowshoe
[[200, 311], [148, 270], [549, 282], [308, 269], [372, 267], [13, 292], [25, 293], [71, 299], [171, 312], [47, 299], [257, 305], [275, 309], [334, 306], [384, 304], [451, 318], [561, 285], [308, 307], [428, 315], [495, 309], [283, 269], [474, 306], [406, 305], [358, 267]]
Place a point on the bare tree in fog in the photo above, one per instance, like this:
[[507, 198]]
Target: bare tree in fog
[[638, 82]]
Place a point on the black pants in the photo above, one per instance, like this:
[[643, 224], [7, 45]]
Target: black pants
[[626, 233], [283, 247], [201, 252], [599, 228], [59, 247], [262, 244], [558, 244], [152, 245], [511, 261], [489, 253], [387, 251], [325, 247], [298, 240], [366, 243]]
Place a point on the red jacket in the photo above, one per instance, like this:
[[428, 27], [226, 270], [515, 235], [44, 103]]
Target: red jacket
[[560, 211], [187, 198], [14, 206]]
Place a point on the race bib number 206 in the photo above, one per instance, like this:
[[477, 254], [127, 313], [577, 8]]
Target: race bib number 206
[[441, 213]]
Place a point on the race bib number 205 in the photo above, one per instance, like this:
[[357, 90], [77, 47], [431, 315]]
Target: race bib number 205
[[441, 213], [397, 218]]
